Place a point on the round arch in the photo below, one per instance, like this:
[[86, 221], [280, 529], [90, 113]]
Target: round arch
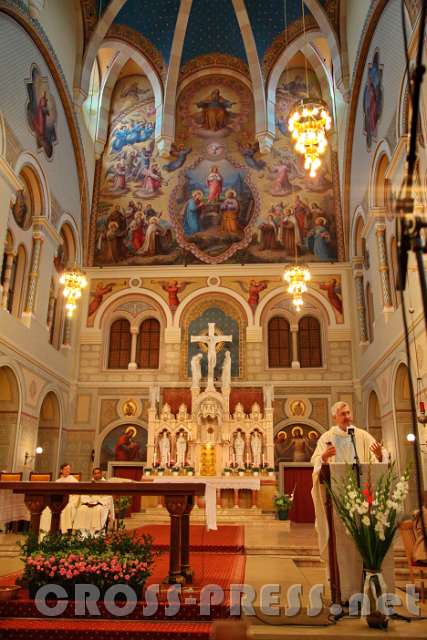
[[402, 413], [135, 293], [10, 411], [28, 168], [356, 233], [182, 308], [324, 308], [49, 431], [102, 435], [373, 418], [379, 164], [67, 220]]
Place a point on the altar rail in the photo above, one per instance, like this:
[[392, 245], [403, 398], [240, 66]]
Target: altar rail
[[178, 500]]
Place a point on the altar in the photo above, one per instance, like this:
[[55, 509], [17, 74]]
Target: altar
[[206, 438]]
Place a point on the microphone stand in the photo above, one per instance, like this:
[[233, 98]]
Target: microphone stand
[[356, 463]]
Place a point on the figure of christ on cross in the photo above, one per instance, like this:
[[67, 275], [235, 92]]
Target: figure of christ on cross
[[211, 340]]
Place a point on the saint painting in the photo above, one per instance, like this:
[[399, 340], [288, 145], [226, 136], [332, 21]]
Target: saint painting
[[124, 444], [215, 111], [41, 111], [373, 99]]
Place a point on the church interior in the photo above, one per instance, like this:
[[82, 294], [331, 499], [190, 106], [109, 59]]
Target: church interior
[[142, 144]]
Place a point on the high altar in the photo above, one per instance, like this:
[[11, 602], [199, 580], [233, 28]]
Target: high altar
[[207, 437]]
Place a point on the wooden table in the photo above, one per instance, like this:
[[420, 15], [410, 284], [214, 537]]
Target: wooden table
[[178, 500]]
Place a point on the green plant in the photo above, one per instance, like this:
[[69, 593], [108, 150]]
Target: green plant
[[227, 470], [148, 470], [283, 501], [175, 469], [255, 469], [160, 469], [241, 470], [270, 469]]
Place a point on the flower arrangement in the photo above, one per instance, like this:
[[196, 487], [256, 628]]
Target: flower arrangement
[[71, 560], [227, 471], [369, 513], [283, 501], [370, 516], [175, 470], [189, 470]]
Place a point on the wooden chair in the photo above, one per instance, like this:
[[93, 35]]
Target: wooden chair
[[11, 476], [36, 476], [416, 571]]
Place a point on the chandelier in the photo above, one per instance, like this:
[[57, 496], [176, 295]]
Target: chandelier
[[297, 276], [74, 281], [308, 123]]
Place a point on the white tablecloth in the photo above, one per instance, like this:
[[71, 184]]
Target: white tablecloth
[[211, 485], [12, 507]]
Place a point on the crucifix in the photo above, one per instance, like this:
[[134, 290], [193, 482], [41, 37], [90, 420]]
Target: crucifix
[[211, 340]]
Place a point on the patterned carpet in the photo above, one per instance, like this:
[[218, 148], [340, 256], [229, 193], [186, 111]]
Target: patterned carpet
[[227, 538]]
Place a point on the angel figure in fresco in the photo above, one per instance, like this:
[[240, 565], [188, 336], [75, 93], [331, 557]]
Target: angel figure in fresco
[[179, 153], [98, 296], [172, 289], [253, 291], [333, 291], [215, 115], [248, 151]]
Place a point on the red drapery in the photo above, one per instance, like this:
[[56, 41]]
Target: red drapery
[[246, 396], [300, 478], [175, 397], [131, 473]]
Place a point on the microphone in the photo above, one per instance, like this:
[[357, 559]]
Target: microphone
[[356, 464]]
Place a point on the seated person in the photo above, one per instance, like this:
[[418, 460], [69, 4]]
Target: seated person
[[69, 511], [92, 514]]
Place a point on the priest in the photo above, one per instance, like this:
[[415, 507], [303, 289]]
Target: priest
[[94, 510], [336, 446]]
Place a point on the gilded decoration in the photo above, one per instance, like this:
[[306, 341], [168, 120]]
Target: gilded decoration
[[210, 60], [136, 39]]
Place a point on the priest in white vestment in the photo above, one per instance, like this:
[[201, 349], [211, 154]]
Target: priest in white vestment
[[93, 511], [335, 446], [69, 511]]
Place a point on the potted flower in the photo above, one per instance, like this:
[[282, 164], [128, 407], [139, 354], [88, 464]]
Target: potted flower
[[160, 471], [227, 471], [175, 471], [121, 506], [147, 471], [270, 472], [241, 471], [370, 516], [255, 471], [189, 470], [283, 503]]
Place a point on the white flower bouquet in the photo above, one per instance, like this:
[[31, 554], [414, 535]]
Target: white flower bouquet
[[370, 513]]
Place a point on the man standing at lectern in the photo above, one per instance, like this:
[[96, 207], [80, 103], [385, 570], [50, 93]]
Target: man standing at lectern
[[337, 446]]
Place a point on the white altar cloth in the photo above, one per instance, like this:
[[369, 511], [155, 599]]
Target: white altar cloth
[[12, 507], [212, 483]]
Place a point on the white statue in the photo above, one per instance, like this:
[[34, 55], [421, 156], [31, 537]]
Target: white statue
[[226, 372], [165, 449], [239, 414], [256, 412], [256, 448], [181, 450], [211, 340], [196, 370], [239, 449]]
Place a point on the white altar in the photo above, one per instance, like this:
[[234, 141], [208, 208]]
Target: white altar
[[208, 438]]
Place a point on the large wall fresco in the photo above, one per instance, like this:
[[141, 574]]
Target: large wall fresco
[[216, 199]]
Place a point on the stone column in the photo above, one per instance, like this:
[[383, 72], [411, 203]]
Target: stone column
[[66, 340], [384, 269], [132, 364], [360, 301], [50, 311], [6, 281], [294, 334], [33, 276]]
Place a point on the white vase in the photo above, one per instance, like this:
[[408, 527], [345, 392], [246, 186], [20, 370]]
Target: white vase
[[175, 473], [189, 473], [271, 474], [241, 473], [227, 473], [148, 473], [256, 473], [160, 473]]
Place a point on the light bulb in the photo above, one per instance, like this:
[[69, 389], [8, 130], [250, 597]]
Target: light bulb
[[411, 437]]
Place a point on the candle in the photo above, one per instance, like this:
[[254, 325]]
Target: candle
[[234, 459], [247, 458], [154, 456], [263, 460]]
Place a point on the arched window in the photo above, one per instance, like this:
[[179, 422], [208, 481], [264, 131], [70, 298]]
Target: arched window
[[309, 342], [148, 344], [120, 345], [279, 343], [370, 310]]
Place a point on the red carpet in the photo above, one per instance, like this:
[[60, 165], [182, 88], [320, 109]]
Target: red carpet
[[102, 630], [227, 539]]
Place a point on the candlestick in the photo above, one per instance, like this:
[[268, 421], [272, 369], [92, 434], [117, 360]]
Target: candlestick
[[263, 460]]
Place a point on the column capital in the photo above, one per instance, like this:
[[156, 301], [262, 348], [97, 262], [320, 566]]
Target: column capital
[[43, 226]]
